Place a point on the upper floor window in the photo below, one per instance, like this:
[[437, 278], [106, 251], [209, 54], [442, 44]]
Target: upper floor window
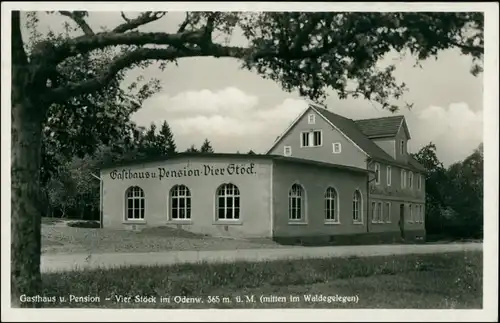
[[135, 203], [337, 148], [389, 175], [377, 173], [419, 182], [287, 151], [311, 119], [403, 178], [311, 138], [410, 180]]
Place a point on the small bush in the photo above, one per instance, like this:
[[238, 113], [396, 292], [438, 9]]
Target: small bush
[[84, 224]]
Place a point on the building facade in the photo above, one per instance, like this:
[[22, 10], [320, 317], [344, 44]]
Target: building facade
[[326, 179]]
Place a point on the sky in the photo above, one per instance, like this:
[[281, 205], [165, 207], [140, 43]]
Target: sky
[[237, 110]]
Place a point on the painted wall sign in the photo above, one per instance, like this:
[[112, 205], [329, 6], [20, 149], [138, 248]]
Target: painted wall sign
[[187, 171]]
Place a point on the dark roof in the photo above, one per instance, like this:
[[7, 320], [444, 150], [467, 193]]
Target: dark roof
[[380, 127], [414, 163], [350, 128], [234, 156]]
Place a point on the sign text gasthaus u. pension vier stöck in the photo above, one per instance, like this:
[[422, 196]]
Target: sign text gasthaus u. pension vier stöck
[[187, 171]]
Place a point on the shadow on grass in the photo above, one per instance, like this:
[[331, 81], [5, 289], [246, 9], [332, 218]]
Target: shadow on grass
[[46, 220]]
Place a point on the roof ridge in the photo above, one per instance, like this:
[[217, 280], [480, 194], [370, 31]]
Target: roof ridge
[[387, 117]]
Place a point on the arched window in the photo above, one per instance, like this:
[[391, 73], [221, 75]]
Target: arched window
[[331, 205], [180, 203], [228, 202], [296, 202], [135, 203], [356, 207]]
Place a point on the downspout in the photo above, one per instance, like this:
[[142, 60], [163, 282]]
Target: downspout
[[101, 199], [368, 202]]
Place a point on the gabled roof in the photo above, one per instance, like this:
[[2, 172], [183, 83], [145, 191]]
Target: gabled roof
[[350, 129], [382, 127]]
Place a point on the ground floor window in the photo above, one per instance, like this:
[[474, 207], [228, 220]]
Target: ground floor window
[[356, 207], [135, 203], [228, 202], [376, 210], [295, 202], [180, 203], [387, 213], [331, 205]]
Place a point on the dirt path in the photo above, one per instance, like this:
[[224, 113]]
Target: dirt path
[[51, 263]]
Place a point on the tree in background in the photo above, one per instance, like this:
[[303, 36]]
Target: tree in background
[[206, 147], [454, 196], [192, 149], [166, 140], [308, 52]]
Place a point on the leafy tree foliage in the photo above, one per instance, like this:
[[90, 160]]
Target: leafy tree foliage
[[454, 196], [192, 149], [66, 89]]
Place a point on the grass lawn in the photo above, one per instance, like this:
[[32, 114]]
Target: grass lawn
[[450, 280], [58, 238]]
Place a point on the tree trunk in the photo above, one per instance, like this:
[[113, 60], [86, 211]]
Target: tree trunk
[[25, 184]]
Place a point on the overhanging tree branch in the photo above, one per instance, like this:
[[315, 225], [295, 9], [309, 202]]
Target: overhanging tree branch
[[77, 17], [184, 24], [144, 18], [73, 89], [86, 44]]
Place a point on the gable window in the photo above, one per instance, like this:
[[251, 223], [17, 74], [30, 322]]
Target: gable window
[[180, 203], [403, 178], [296, 203], [388, 212], [356, 207], [228, 202], [134, 205], [419, 182], [287, 151], [311, 119], [331, 205], [410, 180], [311, 138], [377, 173], [389, 175], [402, 147], [337, 148]]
